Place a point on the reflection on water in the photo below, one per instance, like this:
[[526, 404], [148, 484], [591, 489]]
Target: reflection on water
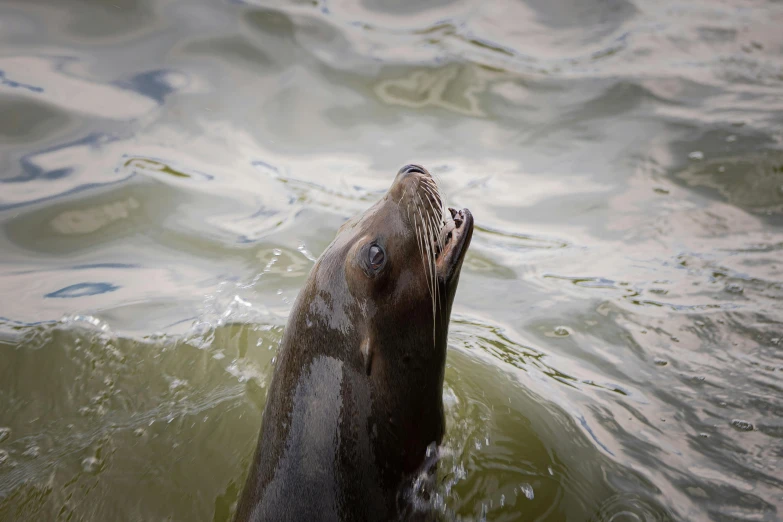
[[453, 88], [169, 171]]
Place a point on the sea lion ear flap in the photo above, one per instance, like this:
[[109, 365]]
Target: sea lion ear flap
[[367, 353]]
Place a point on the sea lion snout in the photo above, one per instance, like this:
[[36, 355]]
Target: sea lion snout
[[410, 175], [407, 169], [415, 182]]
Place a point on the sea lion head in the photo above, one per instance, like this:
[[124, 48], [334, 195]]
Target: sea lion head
[[386, 283], [380, 296]]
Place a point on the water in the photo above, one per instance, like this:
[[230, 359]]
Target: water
[[169, 170]]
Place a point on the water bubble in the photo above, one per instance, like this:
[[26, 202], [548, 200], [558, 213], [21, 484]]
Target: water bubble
[[430, 451], [303, 249], [91, 465], [176, 384], [242, 302], [562, 331], [696, 155], [4, 434], [734, 288], [527, 489], [32, 452], [660, 362], [77, 320], [138, 432], [277, 252], [741, 425]]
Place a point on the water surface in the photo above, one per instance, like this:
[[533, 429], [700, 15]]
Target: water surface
[[169, 171]]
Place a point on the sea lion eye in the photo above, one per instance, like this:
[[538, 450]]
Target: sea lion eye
[[376, 257]]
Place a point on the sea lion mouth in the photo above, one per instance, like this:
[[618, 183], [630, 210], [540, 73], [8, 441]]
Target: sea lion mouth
[[453, 243]]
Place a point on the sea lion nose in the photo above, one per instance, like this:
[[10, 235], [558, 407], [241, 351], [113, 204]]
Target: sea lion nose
[[408, 180], [409, 169]]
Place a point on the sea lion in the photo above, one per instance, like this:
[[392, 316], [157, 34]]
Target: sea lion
[[356, 396]]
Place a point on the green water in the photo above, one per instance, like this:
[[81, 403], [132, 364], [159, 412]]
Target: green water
[[169, 170]]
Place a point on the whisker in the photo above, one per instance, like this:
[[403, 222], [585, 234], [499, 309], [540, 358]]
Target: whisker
[[436, 179], [402, 198], [436, 217], [433, 275], [429, 222], [427, 219], [421, 241], [435, 292], [435, 195], [433, 191], [435, 229]]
